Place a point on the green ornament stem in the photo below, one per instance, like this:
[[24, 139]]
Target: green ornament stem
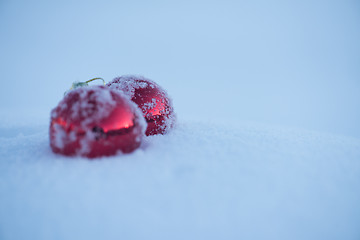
[[83, 84]]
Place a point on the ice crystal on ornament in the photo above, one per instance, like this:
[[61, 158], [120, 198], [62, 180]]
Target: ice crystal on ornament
[[153, 100], [96, 121]]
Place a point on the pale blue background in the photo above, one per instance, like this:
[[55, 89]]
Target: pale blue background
[[291, 63]]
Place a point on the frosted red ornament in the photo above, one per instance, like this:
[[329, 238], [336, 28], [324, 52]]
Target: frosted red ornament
[[152, 100], [95, 121]]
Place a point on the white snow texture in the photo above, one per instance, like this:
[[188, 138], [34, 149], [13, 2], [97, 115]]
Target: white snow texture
[[267, 140], [200, 181]]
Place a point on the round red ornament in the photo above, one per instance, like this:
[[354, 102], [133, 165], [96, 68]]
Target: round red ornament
[[152, 100], [95, 121]]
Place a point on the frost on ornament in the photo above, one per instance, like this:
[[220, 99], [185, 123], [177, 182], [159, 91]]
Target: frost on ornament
[[96, 121], [152, 100]]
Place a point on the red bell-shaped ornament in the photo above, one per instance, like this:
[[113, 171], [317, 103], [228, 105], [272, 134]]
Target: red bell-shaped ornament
[[95, 121], [152, 100]]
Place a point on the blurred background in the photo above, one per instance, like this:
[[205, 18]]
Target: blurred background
[[288, 63]]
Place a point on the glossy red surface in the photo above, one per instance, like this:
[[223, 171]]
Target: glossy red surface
[[88, 124], [152, 100]]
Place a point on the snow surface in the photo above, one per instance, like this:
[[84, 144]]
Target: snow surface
[[224, 63], [200, 181]]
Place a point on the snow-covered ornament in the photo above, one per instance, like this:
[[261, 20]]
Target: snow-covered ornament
[[152, 100], [95, 121]]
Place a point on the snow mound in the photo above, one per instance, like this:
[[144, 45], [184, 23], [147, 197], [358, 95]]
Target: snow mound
[[200, 181]]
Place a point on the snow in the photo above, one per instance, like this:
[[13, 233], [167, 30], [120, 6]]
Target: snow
[[128, 83], [201, 180], [267, 140]]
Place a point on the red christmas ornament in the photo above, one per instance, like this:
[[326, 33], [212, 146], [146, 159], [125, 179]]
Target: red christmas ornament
[[152, 100], [95, 121]]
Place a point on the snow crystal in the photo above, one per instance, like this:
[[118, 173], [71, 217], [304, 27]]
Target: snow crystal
[[85, 143], [140, 120], [128, 84], [60, 136]]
